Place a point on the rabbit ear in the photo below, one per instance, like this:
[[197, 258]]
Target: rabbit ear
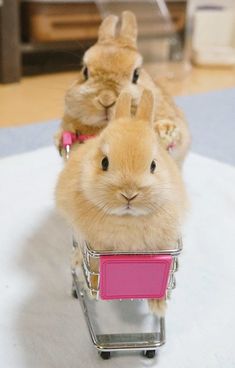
[[128, 30], [123, 106], [146, 106], [107, 28]]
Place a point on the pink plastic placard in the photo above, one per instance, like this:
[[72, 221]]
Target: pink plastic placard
[[134, 277]]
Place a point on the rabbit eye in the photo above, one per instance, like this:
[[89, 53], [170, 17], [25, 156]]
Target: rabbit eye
[[105, 163], [85, 72], [153, 167], [136, 75]]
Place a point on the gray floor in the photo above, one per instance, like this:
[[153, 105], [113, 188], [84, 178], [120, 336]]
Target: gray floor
[[211, 117]]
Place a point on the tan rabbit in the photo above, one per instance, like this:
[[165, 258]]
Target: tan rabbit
[[113, 65], [121, 190]]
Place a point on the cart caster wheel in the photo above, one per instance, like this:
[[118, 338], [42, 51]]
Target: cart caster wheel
[[105, 355], [74, 293], [150, 354]]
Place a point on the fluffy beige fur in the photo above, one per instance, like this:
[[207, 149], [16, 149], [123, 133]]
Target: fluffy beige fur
[[109, 68], [93, 200]]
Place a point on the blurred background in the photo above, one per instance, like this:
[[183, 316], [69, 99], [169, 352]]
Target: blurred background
[[189, 46]]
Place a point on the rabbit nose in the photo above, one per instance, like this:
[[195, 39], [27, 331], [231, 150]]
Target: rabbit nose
[[129, 197], [107, 99]]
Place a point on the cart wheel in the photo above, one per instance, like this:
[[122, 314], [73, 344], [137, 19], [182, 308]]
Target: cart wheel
[[150, 354], [73, 292], [105, 355]]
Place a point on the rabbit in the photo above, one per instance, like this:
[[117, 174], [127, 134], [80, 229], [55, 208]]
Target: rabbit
[[113, 64], [121, 190]]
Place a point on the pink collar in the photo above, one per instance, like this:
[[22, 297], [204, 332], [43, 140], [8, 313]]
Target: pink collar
[[68, 138]]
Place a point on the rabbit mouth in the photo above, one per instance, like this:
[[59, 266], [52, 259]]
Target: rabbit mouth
[[129, 210], [134, 211], [107, 115]]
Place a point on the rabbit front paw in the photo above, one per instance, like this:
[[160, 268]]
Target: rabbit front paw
[[169, 134], [76, 258], [58, 139]]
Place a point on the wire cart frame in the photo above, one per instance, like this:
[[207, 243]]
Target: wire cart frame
[[147, 342]]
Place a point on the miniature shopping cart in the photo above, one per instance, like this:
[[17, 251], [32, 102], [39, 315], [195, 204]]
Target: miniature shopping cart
[[109, 276], [123, 276]]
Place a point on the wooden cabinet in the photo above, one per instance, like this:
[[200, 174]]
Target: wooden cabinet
[[10, 58], [62, 22], [80, 21], [53, 35]]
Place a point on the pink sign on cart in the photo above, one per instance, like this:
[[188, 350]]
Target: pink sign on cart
[[134, 277]]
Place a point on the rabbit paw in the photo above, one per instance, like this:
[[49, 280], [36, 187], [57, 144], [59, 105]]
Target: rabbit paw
[[58, 139], [76, 264], [158, 306], [76, 258], [169, 134]]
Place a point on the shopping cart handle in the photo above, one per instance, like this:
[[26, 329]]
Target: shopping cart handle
[[68, 139]]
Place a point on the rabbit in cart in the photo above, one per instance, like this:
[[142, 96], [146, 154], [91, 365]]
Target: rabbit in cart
[[121, 190]]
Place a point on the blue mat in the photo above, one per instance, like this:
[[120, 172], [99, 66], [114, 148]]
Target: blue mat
[[211, 117], [27, 137]]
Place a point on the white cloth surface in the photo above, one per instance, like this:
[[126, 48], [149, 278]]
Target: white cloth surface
[[41, 326]]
